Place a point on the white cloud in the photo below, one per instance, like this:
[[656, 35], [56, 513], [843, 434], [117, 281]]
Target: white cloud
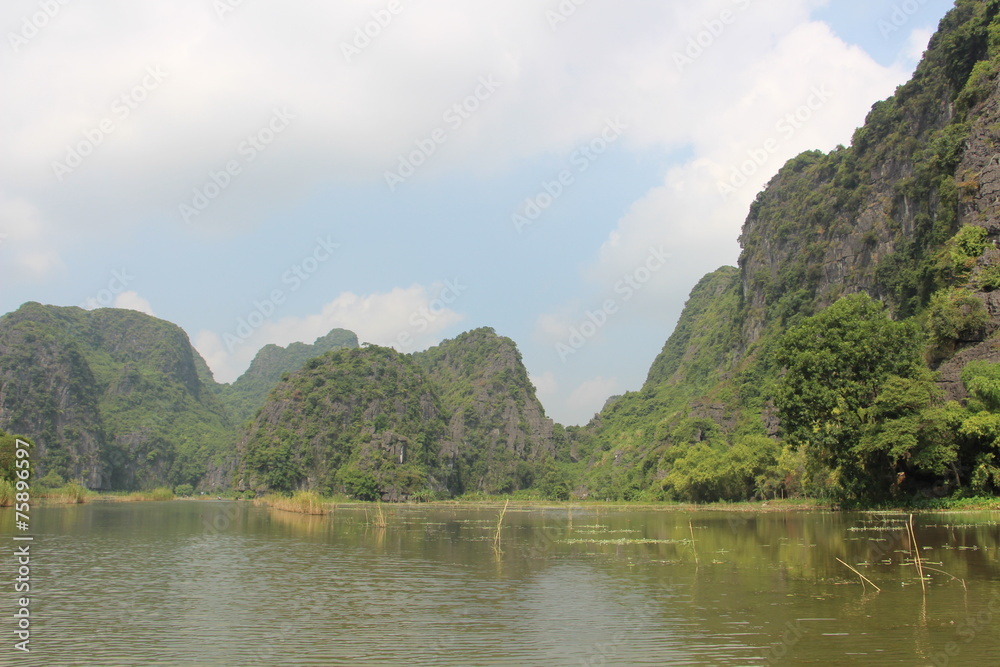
[[546, 385], [408, 319], [917, 44], [131, 300], [809, 90], [222, 78], [220, 81], [588, 398], [22, 231]]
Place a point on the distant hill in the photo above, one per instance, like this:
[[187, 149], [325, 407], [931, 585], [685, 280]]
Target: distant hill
[[247, 394], [110, 397], [459, 417], [367, 421], [497, 428]]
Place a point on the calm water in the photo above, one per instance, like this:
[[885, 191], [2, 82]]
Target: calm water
[[215, 583]]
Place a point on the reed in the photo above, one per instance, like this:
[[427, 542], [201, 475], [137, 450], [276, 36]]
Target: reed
[[693, 547], [380, 520], [67, 494], [496, 538], [953, 577], [916, 555], [6, 493], [301, 502], [863, 577]]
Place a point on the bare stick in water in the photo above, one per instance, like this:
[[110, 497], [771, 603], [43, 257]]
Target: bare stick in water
[[693, 547], [496, 538], [916, 555], [863, 577]]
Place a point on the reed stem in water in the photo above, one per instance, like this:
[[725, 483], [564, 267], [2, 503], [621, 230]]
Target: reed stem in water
[[863, 577]]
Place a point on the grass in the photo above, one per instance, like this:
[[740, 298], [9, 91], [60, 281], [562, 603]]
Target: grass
[[68, 494], [379, 521], [301, 502], [157, 494], [6, 493]]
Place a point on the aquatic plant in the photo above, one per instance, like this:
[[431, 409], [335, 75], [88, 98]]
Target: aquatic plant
[[301, 502]]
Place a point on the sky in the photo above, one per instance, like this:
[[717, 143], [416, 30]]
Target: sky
[[563, 171]]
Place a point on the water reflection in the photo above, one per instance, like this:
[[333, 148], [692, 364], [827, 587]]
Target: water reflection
[[207, 583]]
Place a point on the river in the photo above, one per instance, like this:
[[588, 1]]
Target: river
[[226, 583]]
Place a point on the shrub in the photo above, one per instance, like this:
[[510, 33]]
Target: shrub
[[989, 278], [161, 493], [954, 316], [52, 480]]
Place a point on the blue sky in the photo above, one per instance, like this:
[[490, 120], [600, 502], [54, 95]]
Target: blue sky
[[228, 166]]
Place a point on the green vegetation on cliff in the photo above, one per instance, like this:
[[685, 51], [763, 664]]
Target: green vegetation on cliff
[[111, 397], [247, 394], [497, 429], [373, 423], [762, 391], [362, 421]]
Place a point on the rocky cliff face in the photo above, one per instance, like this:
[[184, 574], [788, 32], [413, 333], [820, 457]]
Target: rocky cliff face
[[47, 390], [375, 423], [868, 217], [111, 397], [881, 216], [245, 396], [364, 421], [496, 421]]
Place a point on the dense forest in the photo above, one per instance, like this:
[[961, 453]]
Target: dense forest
[[851, 355]]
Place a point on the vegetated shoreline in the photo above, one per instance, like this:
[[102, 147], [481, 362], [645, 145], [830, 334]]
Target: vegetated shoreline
[[307, 502], [316, 504]]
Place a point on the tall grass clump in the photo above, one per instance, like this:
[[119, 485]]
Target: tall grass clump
[[161, 493], [6, 493], [72, 493], [302, 502]]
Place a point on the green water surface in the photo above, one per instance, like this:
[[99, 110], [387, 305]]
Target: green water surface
[[225, 583]]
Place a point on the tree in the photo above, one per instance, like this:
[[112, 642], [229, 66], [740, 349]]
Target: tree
[[359, 483], [981, 424], [908, 429], [9, 459], [836, 365]]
